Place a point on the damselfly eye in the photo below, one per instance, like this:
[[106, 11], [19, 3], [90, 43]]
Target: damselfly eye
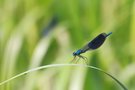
[[74, 53]]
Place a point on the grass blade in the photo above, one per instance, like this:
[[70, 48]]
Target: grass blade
[[64, 65]]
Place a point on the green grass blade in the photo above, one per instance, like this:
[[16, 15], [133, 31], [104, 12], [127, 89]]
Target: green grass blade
[[63, 65]]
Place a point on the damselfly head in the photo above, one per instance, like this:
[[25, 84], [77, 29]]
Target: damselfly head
[[74, 54], [78, 52]]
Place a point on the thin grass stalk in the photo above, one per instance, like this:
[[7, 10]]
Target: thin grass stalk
[[64, 65]]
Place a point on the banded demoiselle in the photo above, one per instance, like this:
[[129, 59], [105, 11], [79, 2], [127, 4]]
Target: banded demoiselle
[[92, 45]]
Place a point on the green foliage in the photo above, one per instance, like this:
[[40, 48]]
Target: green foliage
[[41, 32]]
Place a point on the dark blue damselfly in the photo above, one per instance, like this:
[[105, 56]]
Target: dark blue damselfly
[[92, 45]]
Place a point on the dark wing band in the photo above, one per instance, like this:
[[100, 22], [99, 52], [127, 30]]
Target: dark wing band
[[98, 41]]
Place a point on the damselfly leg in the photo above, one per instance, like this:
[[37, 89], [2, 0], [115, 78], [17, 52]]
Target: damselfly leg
[[74, 59], [84, 58], [77, 60]]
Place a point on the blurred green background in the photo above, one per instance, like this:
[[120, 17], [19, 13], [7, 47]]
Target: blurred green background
[[41, 32]]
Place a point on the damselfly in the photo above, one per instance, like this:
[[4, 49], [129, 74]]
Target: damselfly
[[92, 45]]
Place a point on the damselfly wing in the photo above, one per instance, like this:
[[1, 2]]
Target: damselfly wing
[[95, 43]]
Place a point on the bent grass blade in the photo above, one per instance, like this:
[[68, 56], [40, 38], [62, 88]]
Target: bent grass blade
[[64, 65]]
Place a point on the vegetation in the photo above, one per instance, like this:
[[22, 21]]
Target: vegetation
[[36, 33]]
